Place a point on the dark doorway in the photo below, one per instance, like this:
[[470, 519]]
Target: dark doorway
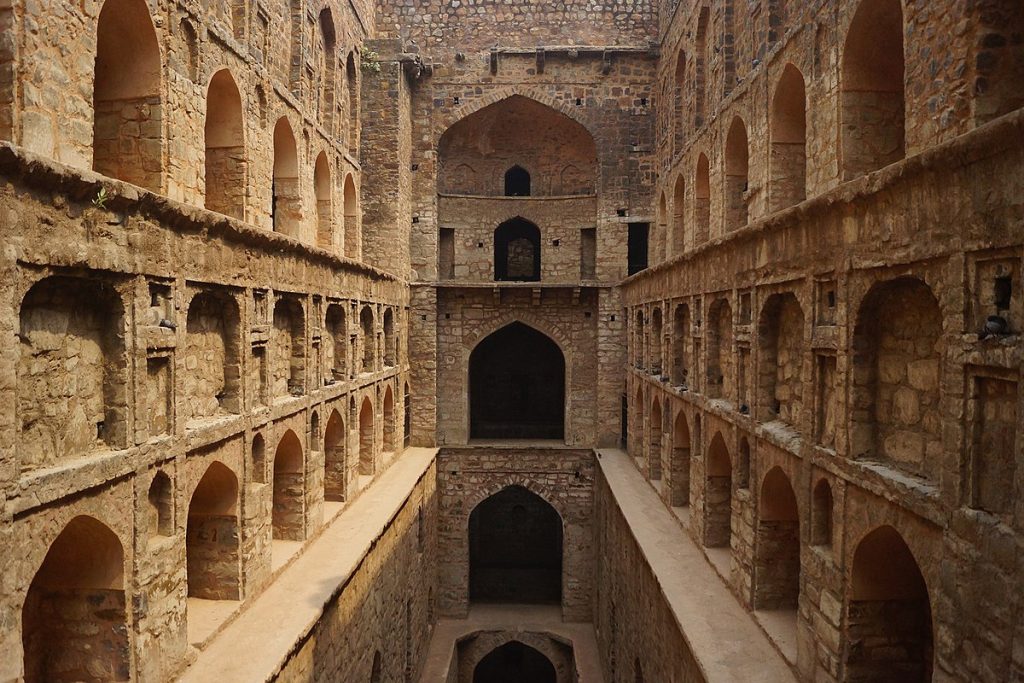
[[517, 386], [514, 662], [517, 182], [517, 251], [637, 247], [515, 549]]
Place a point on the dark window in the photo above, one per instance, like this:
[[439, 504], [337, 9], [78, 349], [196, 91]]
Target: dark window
[[514, 661], [637, 247], [517, 251], [517, 386], [517, 182], [515, 549]]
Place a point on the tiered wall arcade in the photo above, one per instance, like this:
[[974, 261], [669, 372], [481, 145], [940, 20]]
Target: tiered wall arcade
[[203, 372], [825, 362]]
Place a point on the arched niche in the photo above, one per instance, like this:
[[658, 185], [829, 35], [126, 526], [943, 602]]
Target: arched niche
[[517, 131], [515, 549], [74, 622], [517, 250], [517, 386]]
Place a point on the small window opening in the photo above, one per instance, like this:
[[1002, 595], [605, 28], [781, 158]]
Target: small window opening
[[637, 247], [517, 182], [1003, 292]]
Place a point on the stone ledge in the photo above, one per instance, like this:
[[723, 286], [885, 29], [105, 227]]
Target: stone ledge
[[726, 642], [992, 139], [278, 620], [77, 185]]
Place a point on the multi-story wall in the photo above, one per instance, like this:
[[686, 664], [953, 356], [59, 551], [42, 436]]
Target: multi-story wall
[[825, 368], [202, 371]]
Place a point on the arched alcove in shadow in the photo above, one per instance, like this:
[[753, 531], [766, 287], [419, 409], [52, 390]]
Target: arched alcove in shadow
[[517, 251], [515, 549], [517, 386], [514, 662]]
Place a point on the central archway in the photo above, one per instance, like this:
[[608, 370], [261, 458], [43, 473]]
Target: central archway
[[514, 662], [515, 549], [517, 386]]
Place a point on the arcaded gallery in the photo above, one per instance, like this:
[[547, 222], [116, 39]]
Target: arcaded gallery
[[496, 341]]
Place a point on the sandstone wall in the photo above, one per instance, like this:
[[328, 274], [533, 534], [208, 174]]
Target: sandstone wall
[[385, 611], [563, 478], [634, 625], [190, 398], [853, 358]]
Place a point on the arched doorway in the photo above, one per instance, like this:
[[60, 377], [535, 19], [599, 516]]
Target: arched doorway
[[718, 495], [211, 541], [517, 251], [127, 120], [514, 662], [289, 489], [225, 148], [74, 622], [335, 474], [515, 549], [777, 565], [889, 619], [680, 471], [517, 386], [366, 459], [389, 421], [286, 200], [517, 182]]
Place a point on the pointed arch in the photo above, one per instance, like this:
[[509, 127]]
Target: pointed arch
[[737, 164], [352, 229], [226, 169], [368, 339], [517, 385], [211, 540], [323, 189], [352, 81], [872, 83], [367, 455], [286, 200], [335, 465], [679, 216], [517, 251], [74, 621], [899, 348], [788, 160], [888, 604], [678, 102], [718, 494], [781, 340], [777, 547], [388, 413], [127, 106], [654, 444], [656, 342], [517, 182], [289, 489], [515, 548], [661, 231], [515, 661], [679, 473], [488, 135], [702, 201]]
